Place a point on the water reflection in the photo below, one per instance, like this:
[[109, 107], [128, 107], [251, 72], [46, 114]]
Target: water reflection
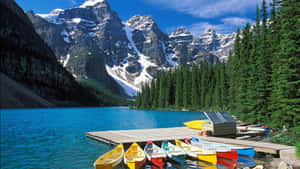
[[188, 163], [246, 161]]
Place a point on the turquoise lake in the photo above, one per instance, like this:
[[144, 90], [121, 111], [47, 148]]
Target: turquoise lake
[[55, 138]]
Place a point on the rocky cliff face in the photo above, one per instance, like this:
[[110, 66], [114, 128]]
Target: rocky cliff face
[[25, 58], [92, 42]]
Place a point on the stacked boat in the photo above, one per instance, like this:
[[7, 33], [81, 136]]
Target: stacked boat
[[201, 153]]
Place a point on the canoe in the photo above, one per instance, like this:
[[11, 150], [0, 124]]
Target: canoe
[[221, 151], [196, 152], [199, 164], [110, 159], [134, 157], [155, 154], [246, 161], [227, 163], [196, 124], [173, 152], [245, 151]]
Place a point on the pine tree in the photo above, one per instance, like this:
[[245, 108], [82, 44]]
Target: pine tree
[[162, 91], [288, 73], [157, 89], [194, 93], [186, 86], [234, 83], [263, 71], [152, 92], [179, 85], [243, 71]]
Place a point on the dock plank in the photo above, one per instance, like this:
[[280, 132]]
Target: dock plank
[[160, 134]]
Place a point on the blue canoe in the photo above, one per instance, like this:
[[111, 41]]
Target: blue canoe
[[244, 151], [245, 161]]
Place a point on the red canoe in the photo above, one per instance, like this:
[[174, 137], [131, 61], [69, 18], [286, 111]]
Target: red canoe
[[231, 154], [155, 154], [230, 164]]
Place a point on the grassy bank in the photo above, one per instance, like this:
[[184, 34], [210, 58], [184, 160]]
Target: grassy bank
[[287, 137], [104, 94]]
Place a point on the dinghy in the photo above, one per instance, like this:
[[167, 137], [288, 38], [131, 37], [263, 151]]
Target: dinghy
[[110, 159], [221, 151], [155, 155], [196, 152], [245, 151], [173, 152], [134, 157]]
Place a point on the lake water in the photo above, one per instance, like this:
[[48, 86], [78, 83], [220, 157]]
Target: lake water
[[55, 138]]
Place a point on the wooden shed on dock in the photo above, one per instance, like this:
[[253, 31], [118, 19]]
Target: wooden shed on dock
[[221, 123]]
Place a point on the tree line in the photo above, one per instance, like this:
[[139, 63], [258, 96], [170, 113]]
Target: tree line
[[260, 82]]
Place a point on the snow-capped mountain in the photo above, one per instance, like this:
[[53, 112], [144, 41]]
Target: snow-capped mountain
[[92, 42]]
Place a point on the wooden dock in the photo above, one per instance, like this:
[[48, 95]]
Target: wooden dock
[[160, 134]]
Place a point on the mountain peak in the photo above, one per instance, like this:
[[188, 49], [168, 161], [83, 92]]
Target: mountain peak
[[209, 30], [181, 31], [141, 22], [91, 3]]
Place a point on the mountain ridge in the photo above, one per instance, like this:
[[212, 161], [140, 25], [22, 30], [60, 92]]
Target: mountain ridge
[[131, 51]]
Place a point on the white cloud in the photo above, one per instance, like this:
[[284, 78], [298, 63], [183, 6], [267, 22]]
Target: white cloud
[[209, 8], [228, 25]]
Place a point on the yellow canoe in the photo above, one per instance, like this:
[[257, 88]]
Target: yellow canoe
[[196, 124], [134, 157], [110, 159], [197, 152]]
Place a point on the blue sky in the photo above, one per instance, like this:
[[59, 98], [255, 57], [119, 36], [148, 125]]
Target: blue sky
[[224, 15]]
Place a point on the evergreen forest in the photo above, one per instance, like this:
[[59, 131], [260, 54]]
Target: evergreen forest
[[259, 83]]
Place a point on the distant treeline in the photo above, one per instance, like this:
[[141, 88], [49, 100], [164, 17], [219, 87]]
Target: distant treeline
[[260, 82]]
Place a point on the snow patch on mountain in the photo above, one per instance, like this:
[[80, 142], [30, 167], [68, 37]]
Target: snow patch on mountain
[[129, 89], [90, 3], [170, 60], [76, 20], [144, 76], [65, 59], [66, 36], [52, 16]]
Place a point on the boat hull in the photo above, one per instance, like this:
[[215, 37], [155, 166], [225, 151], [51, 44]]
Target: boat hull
[[135, 164], [196, 124], [110, 159], [211, 158], [245, 161], [179, 159], [246, 152], [229, 164], [232, 155], [158, 163]]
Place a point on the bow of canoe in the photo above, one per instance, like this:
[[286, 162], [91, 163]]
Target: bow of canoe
[[110, 159]]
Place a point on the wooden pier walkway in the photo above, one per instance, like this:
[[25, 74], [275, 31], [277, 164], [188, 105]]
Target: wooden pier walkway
[[160, 134]]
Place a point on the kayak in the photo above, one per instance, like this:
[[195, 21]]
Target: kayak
[[134, 157], [196, 124], [173, 152], [245, 151], [155, 154], [110, 159], [221, 151], [196, 152]]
